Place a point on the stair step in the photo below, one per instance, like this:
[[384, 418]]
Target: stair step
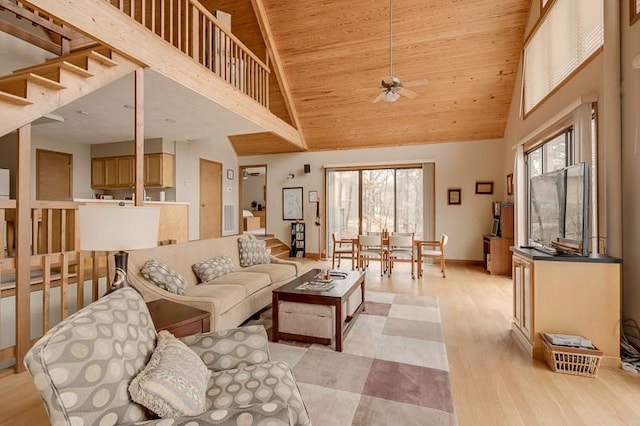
[[99, 53], [13, 99], [17, 84], [51, 70]]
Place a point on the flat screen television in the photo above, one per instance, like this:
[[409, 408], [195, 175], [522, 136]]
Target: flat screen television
[[559, 209]]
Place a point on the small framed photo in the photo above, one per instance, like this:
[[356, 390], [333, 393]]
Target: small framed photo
[[510, 184], [634, 11], [454, 196], [313, 196], [484, 187], [230, 174]]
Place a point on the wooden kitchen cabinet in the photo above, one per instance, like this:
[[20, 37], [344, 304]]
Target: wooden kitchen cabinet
[[119, 172], [97, 173], [159, 170]]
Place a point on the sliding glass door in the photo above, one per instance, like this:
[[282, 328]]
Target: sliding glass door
[[365, 200]]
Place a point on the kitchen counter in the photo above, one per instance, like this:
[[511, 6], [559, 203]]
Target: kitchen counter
[[94, 200]]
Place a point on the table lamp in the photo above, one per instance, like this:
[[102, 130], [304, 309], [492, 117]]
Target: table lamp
[[118, 228]]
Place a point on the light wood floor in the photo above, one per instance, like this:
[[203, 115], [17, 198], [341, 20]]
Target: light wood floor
[[494, 382]]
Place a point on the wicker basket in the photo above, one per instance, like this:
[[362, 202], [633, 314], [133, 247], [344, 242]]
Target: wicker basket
[[569, 360]]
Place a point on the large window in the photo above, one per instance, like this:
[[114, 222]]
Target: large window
[[569, 34], [360, 201]]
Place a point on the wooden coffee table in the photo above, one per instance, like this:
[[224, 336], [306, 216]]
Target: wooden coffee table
[[337, 296]]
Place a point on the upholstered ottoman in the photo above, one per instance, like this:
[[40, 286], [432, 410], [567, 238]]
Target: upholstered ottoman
[[315, 321]]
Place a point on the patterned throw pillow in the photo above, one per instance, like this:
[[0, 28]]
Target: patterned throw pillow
[[162, 276], [174, 382], [252, 252], [210, 269]]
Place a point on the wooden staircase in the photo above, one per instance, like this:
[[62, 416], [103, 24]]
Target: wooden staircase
[[277, 247], [29, 93]]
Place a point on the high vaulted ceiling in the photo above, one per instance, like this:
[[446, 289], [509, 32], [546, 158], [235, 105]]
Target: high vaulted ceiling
[[331, 50]]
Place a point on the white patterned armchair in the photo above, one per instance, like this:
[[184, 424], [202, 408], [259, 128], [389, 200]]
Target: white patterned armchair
[[84, 366]]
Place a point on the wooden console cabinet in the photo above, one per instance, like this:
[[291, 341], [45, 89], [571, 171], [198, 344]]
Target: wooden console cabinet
[[568, 295]]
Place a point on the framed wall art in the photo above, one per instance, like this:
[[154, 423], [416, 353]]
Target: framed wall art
[[292, 208], [634, 11], [230, 174], [484, 187], [454, 196], [510, 184]]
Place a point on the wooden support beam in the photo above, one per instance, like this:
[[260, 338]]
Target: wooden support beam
[[41, 42], [272, 51], [37, 19], [138, 139], [23, 243]]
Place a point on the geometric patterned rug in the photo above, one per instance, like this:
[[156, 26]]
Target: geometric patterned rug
[[393, 369]]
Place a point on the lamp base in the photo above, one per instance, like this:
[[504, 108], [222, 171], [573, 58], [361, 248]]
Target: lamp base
[[120, 280]]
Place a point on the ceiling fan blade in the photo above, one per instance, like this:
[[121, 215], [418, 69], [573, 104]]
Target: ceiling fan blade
[[408, 93], [379, 97], [368, 89], [414, 83]]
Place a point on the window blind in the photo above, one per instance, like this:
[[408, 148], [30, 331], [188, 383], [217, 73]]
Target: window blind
[[568, 35]]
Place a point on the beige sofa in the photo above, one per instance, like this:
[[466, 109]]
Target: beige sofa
[[232, 298]]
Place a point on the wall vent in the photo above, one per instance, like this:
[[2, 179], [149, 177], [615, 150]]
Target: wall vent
[[229, 218]]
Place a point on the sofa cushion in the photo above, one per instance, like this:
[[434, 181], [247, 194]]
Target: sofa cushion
[[224, 296], [252, 252], [162, 276], [277, 271], [251, 281], [174, 381], [211, 269]]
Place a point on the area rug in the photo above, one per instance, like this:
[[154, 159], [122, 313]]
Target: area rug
[[393, 370]]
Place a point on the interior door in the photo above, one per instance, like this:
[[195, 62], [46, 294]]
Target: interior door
[[53, 175], [210, 199]]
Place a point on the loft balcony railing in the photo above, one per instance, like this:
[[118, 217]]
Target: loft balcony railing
[[192, 29]]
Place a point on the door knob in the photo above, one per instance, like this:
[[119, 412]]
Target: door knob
[[202, 205]]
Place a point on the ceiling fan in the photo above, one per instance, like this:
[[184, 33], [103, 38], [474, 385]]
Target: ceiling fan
[[393, 88]]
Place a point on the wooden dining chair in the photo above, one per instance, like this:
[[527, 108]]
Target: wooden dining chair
[[434, 250], [400, 249], [342, 247], [370, 248]]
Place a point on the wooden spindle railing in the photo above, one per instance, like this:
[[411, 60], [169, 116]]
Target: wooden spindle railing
[[56, 265], [192, 29], [53, 279]]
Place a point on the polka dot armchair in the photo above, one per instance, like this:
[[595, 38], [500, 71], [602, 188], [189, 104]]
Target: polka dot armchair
[[84, 365]]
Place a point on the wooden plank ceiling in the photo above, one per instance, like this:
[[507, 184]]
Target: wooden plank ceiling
[[331, 50]]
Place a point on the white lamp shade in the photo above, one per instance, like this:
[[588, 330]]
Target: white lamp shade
[[118, 228]]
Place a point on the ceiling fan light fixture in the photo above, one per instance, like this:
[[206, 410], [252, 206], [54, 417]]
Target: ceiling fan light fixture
[[390, 96]]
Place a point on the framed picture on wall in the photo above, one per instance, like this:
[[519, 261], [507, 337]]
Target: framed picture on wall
[[510, 184], [454, 196], [292, 208], [313, 196], [230, 174], [484, 187], [634, 11]]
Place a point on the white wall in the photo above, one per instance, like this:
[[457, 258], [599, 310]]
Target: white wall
[[188, 155], [457, 165]]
